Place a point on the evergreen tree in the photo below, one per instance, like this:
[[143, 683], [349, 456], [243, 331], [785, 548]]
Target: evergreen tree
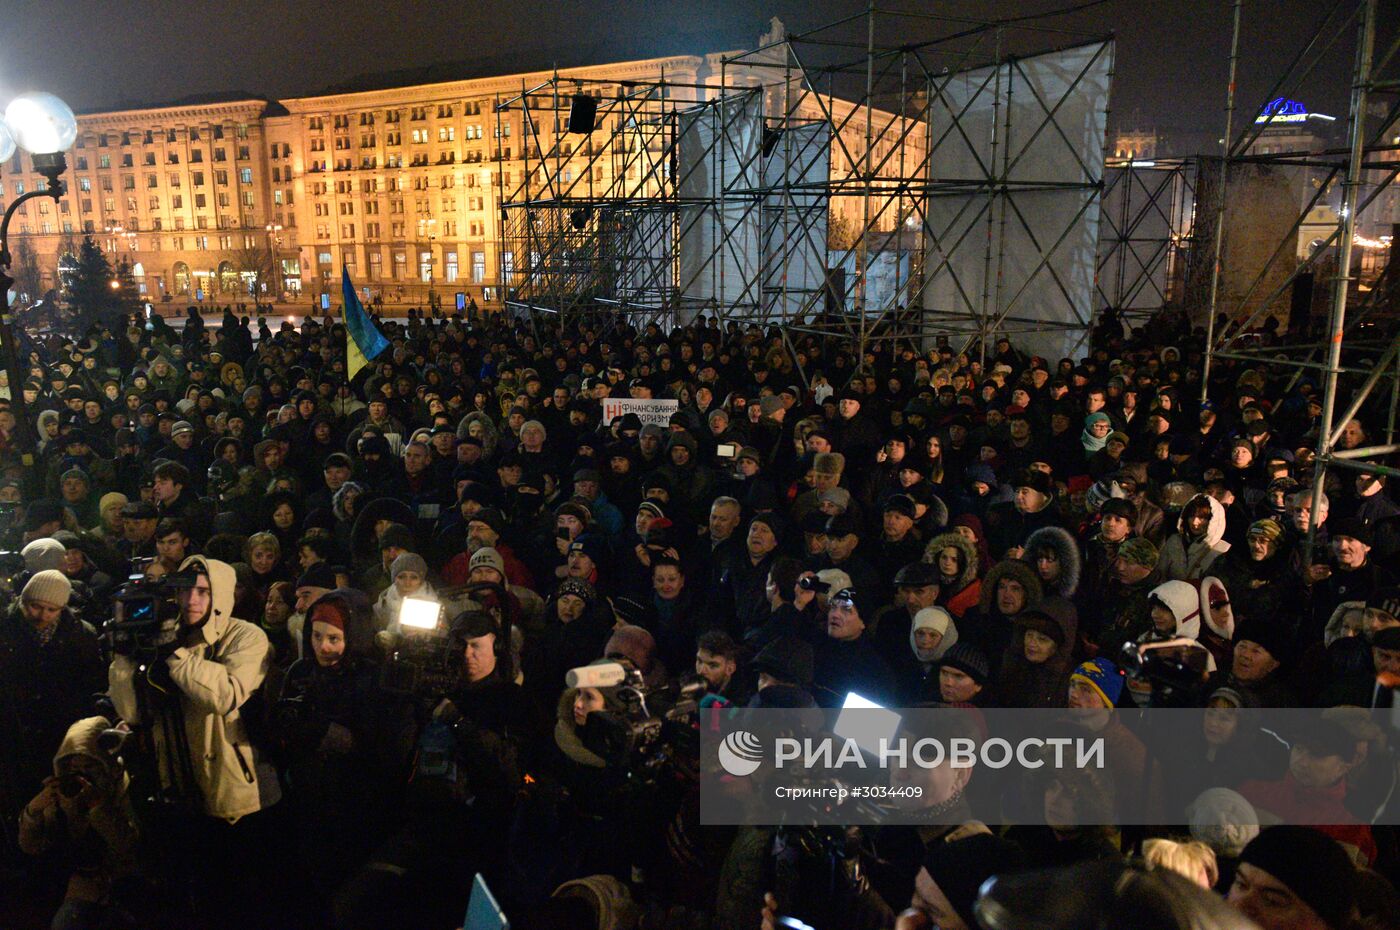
[[88, 286], [128, 294], [29, 279]]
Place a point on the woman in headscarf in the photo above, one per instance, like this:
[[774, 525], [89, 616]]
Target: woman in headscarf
[[1097, 426], [932, 634]]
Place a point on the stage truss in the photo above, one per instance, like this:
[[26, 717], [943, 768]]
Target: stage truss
[[823, 217]]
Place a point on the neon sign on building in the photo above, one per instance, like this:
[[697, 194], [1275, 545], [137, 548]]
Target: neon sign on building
[[1283, 110]]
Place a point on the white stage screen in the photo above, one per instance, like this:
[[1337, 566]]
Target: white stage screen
[[1017, 239], [795, 221]]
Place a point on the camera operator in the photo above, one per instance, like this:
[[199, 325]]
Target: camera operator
[[50, 668], [194, 693]]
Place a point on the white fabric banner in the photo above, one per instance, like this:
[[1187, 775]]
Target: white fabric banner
[[656, 411]]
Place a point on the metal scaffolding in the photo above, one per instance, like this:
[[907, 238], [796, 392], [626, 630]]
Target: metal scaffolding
[[823, 215], [1356, 360], [1145, 235]]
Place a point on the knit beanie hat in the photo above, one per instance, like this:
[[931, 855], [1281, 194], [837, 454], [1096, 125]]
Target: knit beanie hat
[[111, 499], [960, 868], [579, 589], [969, 660], [1267, 632], [1312, 865], [396, 535], [487, 557], [50, 586], [408, 562], [329, 611], [1268, 527], [1103, 676], [43, 554], [633, 643], [1223, 819], [320, 575], [1139, 551]]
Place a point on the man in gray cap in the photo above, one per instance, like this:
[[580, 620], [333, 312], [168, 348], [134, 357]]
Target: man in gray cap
[[50, 667]]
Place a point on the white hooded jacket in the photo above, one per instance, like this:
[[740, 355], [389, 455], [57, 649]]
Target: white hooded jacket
[[1180, 562], [216, 671]]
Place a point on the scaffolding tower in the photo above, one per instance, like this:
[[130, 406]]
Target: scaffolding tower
[[1356, 359], [862, 180]]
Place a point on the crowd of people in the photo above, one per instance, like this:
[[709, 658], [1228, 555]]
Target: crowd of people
[[264, 739]]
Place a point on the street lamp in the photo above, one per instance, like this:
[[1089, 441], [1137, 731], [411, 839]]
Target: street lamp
[[431, 226], [274, 245], [45, 127]]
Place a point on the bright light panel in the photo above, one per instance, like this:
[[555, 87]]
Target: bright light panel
[[418, 614]]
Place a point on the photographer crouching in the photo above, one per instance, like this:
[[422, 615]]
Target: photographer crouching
[[183, 686]]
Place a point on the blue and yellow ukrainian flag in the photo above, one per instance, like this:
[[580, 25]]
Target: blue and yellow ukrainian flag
[[363, 340]]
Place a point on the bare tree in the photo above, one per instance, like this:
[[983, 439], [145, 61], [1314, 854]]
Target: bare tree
[[258, 261]]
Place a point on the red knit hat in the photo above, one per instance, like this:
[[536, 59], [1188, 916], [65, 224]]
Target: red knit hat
[[329, 612]]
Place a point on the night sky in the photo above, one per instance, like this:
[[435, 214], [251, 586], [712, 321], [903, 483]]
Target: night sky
[[1171, 56]]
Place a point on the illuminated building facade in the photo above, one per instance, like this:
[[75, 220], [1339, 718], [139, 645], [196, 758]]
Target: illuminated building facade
[[217, 202]]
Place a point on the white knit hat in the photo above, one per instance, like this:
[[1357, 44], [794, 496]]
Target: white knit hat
[[49, 586], [43, 554], [487, 557]]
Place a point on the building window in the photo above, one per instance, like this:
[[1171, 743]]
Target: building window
[[478, 267], [245, 175], [197, 179], [324, 258], [85, 184], [104, 161], [376, 266], [400, 265], [450, 264]]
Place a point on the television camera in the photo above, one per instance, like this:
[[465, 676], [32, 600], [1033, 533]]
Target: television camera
[[423, 658], [146, 614]]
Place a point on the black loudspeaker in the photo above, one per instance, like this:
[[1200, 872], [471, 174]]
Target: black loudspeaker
[[1300, 307], [770, 140], [583, 113], [835, 291]]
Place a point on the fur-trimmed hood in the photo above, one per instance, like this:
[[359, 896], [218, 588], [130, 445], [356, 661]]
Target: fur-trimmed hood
[[1336, 626], [1018, 571], [1066, 550], [488, 441], [967, 551], [567, 736]]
